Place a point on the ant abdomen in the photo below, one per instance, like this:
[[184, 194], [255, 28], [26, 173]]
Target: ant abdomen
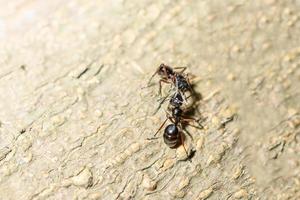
[[182, 83], [172, 136]]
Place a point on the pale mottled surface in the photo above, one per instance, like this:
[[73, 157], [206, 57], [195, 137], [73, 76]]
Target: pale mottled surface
[[65, 134]]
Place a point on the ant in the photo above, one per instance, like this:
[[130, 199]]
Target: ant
[[172, 135], [169, 75]]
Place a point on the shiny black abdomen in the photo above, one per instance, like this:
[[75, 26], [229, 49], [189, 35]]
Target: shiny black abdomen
[[172, 136]]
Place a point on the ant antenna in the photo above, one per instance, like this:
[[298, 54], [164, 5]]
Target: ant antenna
[[152, 77], [182, 142], [148, 84], [161, 127]]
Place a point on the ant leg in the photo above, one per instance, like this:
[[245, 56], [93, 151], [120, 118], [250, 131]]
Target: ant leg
[[197, 127], [192, 76], [190, 119], [182, 69], [189, 83], [182, 142], [170, 118], [152, 77], [161, 126], [160, 81], [188, 133], [188, 96], [164, 98], [160, 103], [184, 97]]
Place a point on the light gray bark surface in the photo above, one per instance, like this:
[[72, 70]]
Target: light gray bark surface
[[74, 120]]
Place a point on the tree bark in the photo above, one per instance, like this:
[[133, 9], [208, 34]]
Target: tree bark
[[76, 116]]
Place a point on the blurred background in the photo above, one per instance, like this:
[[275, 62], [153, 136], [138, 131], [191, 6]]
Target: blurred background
[[74, 120]]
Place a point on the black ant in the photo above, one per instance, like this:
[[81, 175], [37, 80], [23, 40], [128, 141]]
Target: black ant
[[169, 75], [172, 135]]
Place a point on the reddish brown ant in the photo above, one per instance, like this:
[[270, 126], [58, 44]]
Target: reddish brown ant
[[168, 75]]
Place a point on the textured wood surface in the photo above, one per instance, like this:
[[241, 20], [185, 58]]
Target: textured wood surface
[[74, 120]]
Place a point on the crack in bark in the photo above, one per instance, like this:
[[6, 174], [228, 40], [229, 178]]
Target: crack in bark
[[163, 187], [99, 70], [5, 74], [82, 143], [5, 153], [149, 166], [124, 187], [83, 72]]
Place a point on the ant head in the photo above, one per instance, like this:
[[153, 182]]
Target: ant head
[[161, 68], [161, 71], [162, 65], [165, 71]]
